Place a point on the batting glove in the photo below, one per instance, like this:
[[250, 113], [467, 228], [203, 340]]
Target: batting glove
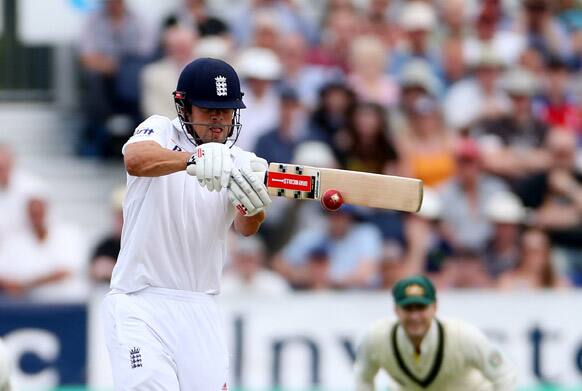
[[211, 164], [247, 193]]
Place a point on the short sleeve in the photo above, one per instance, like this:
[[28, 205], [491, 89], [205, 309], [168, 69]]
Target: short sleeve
[[155, 128]]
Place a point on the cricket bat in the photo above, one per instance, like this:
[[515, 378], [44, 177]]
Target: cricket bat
[[357, 188]]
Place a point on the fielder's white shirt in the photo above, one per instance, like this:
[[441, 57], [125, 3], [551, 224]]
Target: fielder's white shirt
[[174, 230], [468, 360]]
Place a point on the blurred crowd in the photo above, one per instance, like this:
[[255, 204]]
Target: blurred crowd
[[481, 99]]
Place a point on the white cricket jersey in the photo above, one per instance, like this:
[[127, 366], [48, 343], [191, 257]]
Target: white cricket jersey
[[174, 230], [454, 356]]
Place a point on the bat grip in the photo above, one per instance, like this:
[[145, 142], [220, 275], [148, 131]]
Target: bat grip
[[261, 176]]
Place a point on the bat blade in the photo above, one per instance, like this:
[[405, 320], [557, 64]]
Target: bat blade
[[357, 188]]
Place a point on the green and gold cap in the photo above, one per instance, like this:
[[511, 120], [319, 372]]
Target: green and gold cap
[[414, 290]]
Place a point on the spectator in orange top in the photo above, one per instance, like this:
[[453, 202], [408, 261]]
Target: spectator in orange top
[[427, 146]]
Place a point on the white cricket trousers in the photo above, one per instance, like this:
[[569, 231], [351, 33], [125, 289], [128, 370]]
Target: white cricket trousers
[[165, 339]]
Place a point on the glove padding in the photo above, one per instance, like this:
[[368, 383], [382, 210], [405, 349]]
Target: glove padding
[[211, 163], [247, 193]]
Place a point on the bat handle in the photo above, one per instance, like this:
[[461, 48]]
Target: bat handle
[[261, 176]]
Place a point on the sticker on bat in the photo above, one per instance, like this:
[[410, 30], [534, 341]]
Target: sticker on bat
[[282, 180]]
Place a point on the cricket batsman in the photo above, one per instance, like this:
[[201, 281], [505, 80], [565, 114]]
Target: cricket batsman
[[422, 352], [186, 185]]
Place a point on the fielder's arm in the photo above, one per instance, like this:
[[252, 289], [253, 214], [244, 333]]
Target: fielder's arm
[[365, 368], [150, 159], [488, 359]]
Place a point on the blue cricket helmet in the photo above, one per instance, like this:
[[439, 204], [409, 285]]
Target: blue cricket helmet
[[210, 83]]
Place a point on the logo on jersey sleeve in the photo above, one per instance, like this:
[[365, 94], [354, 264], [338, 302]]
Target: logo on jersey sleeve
[[220, 85], [495, 359], [135, 358], [143, 132]]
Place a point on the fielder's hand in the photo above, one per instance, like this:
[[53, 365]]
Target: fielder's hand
[[211, 163], [247, 193]]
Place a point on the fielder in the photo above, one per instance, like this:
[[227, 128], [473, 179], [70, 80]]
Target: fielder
[[422, 352], [185, 181]]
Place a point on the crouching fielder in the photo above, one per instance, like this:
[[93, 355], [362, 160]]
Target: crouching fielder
[[422, 352]]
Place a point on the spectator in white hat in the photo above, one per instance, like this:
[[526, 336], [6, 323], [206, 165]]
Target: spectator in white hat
[[512, 144], [480, 96], [247, 273], [417, 19], [489, 35], [260, 69], [507, 214]]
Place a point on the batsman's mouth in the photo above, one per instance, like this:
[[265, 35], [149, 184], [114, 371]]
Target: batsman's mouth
[[216, 129]]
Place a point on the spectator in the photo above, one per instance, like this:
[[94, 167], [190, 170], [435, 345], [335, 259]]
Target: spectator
[[267, 32], [454, 17], [47, 260], [247, 273], [556, 196], [318, 271], [417, 80], [453, 62], [480, 96], [278, 144], [576, 58], [158, 79], [330, 115], [367, 78], [260, 69], [464, 199], [513, 143], [354, 251], [557, 105], [418, 20], [506, 213], [533, 61], [339, 29], [534, 270], [427, 146], [115, 44], [15, 187], [195, 16], [490, 36], [287, 15], [466, 269], [368, 146], [542, 30], [392, 266], [105, 254], [380, 23], [297, 74], [426, 246]]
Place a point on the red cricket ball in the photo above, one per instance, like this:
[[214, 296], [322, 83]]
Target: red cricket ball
[[332, 200]]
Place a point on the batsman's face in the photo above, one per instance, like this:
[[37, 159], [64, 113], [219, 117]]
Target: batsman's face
[[416, 319], [216, 123]]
